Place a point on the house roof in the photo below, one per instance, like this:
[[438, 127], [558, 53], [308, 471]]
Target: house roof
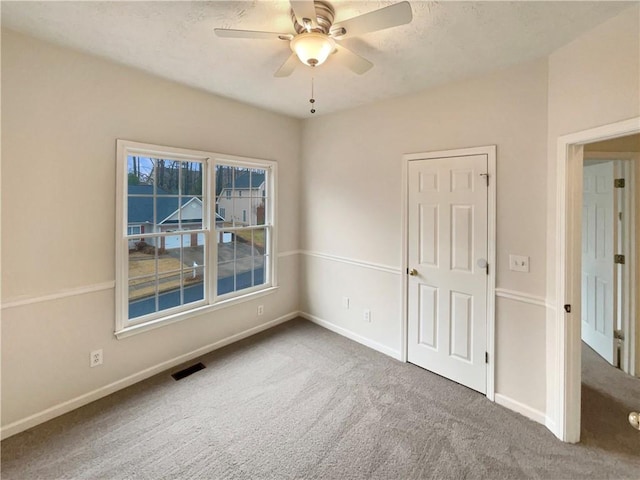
[[242, 181], [140, 209]]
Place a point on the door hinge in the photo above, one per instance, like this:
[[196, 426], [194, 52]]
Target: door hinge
[[486, 177], [618, 183], [618, 334], [618, 259], [486, 357], [567, 308]]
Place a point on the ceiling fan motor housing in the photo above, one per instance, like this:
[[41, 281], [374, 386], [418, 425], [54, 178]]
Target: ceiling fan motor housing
[[325, 15]]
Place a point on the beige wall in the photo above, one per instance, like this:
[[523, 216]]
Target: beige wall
[[630, 143], [351, 195], [62, 112], [593, 81]]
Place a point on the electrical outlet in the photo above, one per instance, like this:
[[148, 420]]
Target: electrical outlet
[[260, 310], [95, 358], [367, 316], [518, 263], [345, 303]]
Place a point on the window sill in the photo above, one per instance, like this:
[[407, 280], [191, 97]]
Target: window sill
[[178, 317]]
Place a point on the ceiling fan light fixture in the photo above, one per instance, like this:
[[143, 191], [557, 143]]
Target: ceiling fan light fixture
[[313, 48]]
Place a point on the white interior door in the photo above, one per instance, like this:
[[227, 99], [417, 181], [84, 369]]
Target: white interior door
[[598, 269], [447, 292]]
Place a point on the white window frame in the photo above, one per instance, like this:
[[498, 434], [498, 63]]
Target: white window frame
[[212, 301]]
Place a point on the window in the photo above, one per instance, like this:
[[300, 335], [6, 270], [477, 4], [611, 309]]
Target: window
[[187, 258], [243, 253]]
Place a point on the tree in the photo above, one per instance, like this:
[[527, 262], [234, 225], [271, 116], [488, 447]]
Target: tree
[[175, 176], [133, 179]]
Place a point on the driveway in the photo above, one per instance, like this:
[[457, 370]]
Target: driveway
[[247, 258]]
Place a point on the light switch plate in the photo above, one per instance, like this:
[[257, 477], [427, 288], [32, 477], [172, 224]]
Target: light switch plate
[[518, 263]]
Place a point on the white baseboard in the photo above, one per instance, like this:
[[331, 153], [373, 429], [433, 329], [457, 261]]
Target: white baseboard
[[77, 402], [352, 336], [521, 408]]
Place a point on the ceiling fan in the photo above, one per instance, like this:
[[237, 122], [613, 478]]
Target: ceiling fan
[[317, 37]]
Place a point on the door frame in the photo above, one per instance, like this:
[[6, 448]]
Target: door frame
[[490, 152], [566, 351]]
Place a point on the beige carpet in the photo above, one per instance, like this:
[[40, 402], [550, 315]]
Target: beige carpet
[[608, 395], [301, 402]]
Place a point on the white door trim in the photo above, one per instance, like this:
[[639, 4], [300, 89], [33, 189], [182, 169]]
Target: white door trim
[[566, 351], [490, 152]]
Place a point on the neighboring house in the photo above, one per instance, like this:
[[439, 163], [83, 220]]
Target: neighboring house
[[168, 215], [243, 202]]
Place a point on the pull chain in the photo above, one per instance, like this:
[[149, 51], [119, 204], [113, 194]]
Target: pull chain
[[312, 100]]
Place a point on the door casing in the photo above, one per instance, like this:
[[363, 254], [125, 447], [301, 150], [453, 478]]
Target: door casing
[[490, 152]]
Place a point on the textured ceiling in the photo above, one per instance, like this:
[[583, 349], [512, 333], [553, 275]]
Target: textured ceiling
[[446, 41]]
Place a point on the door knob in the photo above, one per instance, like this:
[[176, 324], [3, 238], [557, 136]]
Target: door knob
[[413, 272], [634, 420]]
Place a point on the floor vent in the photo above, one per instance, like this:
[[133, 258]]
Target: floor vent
[[187, 371]]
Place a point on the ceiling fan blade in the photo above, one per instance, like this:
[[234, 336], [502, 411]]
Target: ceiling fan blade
[[387, 17], [352, 61], [304, 9], [230, 33], [287, 67]]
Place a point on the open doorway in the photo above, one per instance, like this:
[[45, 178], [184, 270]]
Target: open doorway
[[569, 279], [609, 329]]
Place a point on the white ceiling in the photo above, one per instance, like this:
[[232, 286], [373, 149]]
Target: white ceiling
[[446, 41]]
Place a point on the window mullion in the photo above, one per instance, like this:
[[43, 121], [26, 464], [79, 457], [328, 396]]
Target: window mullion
[[235, 263], [253, 258], [156, 282], [211, 246]]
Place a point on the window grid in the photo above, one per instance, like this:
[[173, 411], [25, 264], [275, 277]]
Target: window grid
[[249, 265], [169, 284]]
